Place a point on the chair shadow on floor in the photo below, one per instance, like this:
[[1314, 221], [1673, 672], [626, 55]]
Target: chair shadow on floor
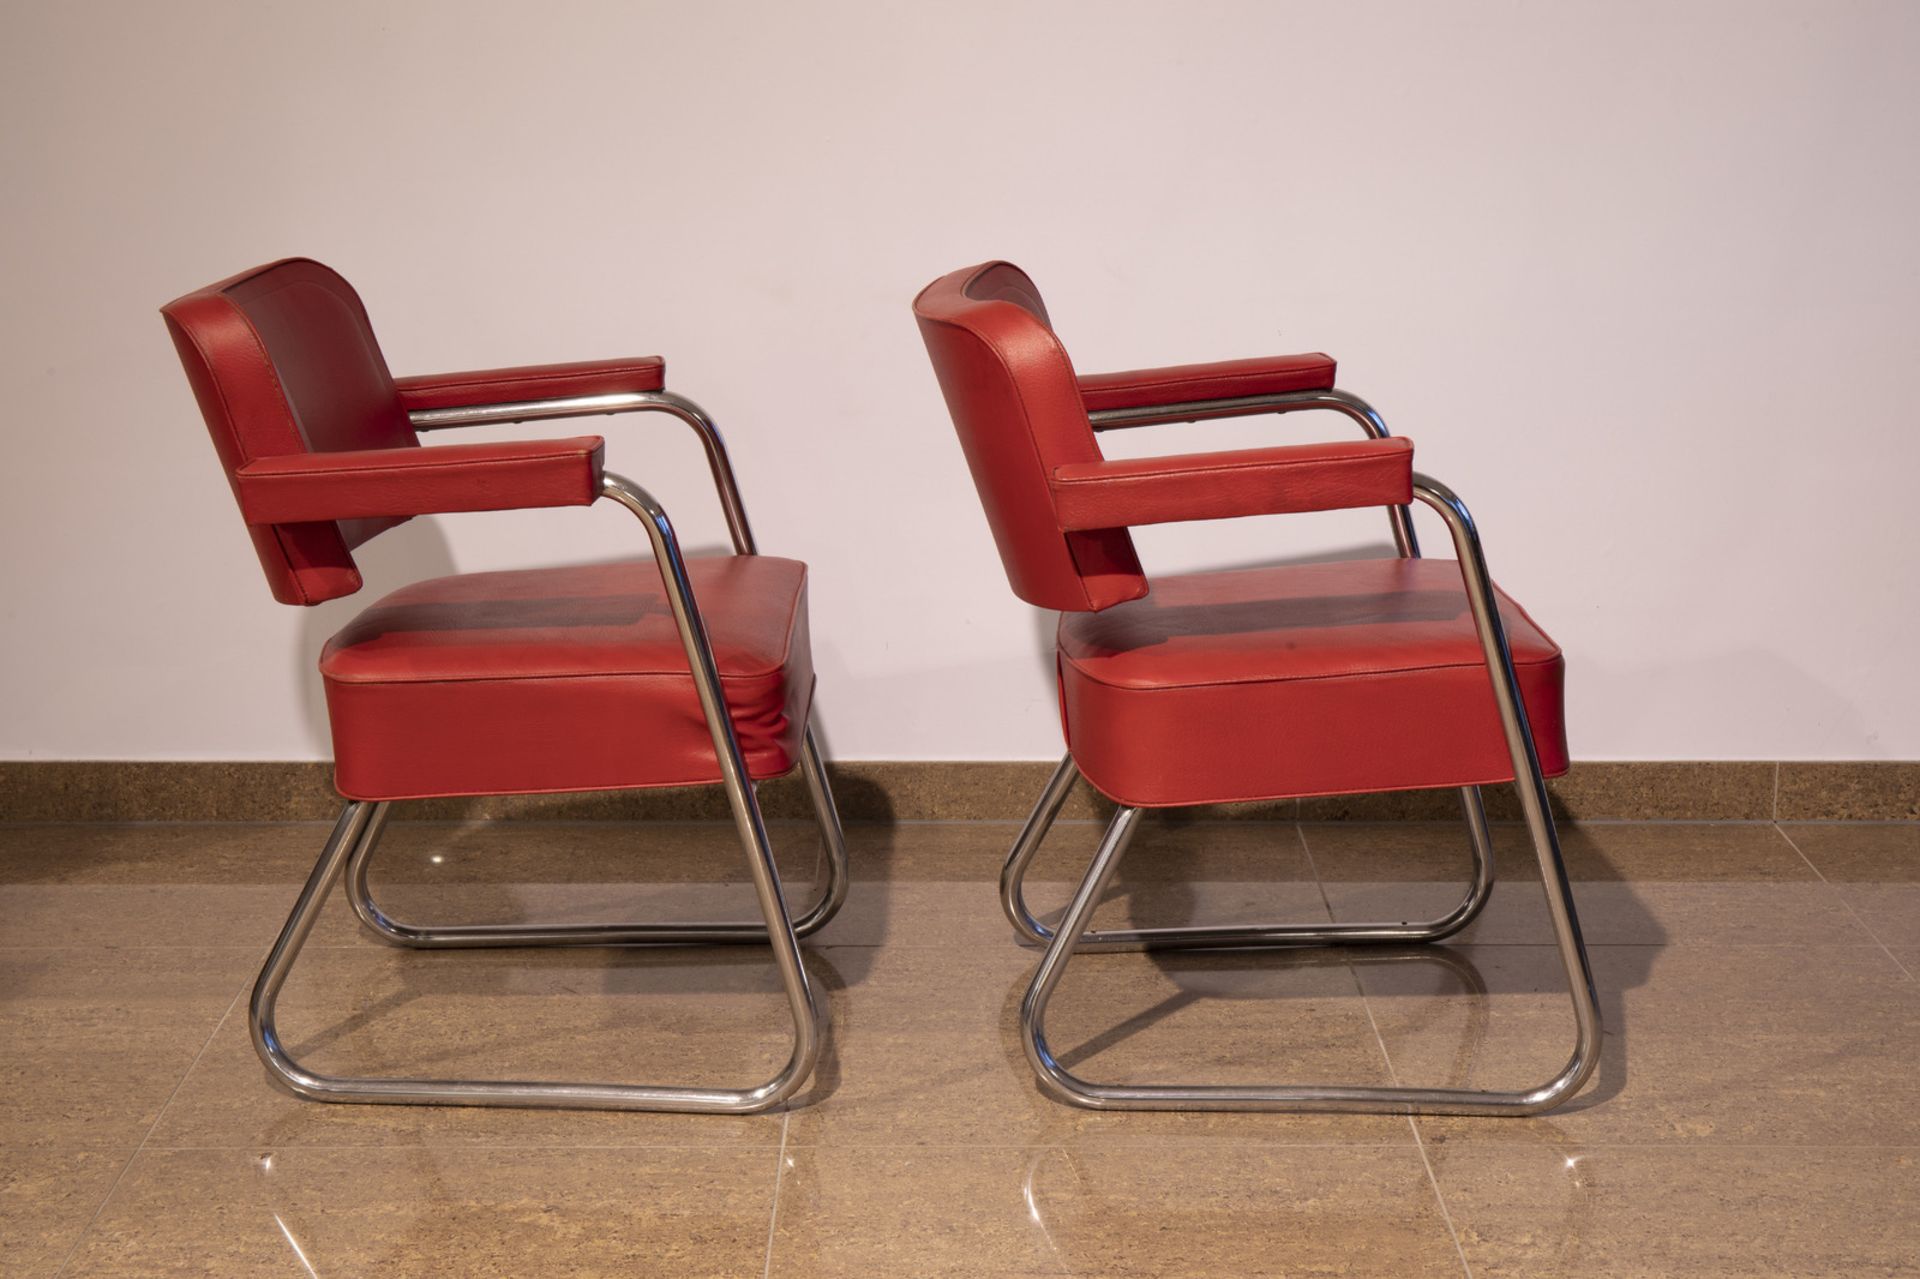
[[475, 872]]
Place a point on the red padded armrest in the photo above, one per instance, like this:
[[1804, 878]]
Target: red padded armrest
[[531, 382], [303, 487], [1218, 486], [1190, 383]]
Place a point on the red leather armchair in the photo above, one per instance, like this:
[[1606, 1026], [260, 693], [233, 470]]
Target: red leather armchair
[[1258, 684], [672, 672]]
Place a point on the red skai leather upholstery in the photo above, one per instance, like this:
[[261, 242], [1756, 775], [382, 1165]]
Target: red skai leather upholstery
[[565, 679], [1311, 679], [486, 683], [1218, 486], [283, 361], [1188, 383], [531, 382], [1269, 683], [1016, 404], [299, 488]]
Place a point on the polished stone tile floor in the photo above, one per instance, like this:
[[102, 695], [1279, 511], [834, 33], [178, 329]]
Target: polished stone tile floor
[[1756, 1112]]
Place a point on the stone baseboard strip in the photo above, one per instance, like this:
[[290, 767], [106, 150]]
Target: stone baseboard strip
[[979, 790]]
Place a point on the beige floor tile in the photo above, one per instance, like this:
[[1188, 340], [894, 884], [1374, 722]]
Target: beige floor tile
[[1567, 1211], [47, 1197], [191, 854], [93, 1042], [1701, 1046], [924, 884], [150, 884], [424, 1212], [707, 1015], [1747, 1007], [570, 902], [191, 885], [516, 853], [937, 884], [1634, 883], [143, 915], [1644, 852], [1110, 1211], [1875, 867], [567, 873], [1860, 852], [925, 1048]]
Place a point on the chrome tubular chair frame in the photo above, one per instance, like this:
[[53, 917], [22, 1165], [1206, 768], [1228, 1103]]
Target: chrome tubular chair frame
[[1480, 885], [1338, 401], [358, 830], [618, 402], [1073, 934]]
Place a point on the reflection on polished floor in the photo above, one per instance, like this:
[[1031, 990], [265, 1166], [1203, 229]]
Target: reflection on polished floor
[[1757, 1111]]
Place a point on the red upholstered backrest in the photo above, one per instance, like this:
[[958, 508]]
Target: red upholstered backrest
[[1016, 404], [283, 360]]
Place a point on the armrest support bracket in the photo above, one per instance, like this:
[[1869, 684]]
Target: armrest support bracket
[[718, 463]]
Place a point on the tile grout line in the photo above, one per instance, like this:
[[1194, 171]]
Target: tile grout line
[[1393, 1075], [779, 1174], [179, 1083], [1440, 1199], [1313, 868], [1419, 1143], [1864, 926], [1413, 1126]]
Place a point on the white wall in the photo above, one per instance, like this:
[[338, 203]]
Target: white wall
[[1640, 279]]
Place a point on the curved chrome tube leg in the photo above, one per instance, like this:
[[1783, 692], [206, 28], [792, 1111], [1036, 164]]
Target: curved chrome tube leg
[[358, 820], [1033, 834], [1053, 965], [1014, 874], [1535, 805], [831, 895], [833, 841], [1460, 1101]]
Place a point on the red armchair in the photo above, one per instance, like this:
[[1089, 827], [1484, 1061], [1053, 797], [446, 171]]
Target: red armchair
[[670, 673], [1258, 684]]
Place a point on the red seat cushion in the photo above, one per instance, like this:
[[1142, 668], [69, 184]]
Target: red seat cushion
[[565, 679], [1315, 679]]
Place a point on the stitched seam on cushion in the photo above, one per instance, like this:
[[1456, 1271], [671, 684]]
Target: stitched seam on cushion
[[574, 790], [735, 678], [1084, 673], [786, 657]]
